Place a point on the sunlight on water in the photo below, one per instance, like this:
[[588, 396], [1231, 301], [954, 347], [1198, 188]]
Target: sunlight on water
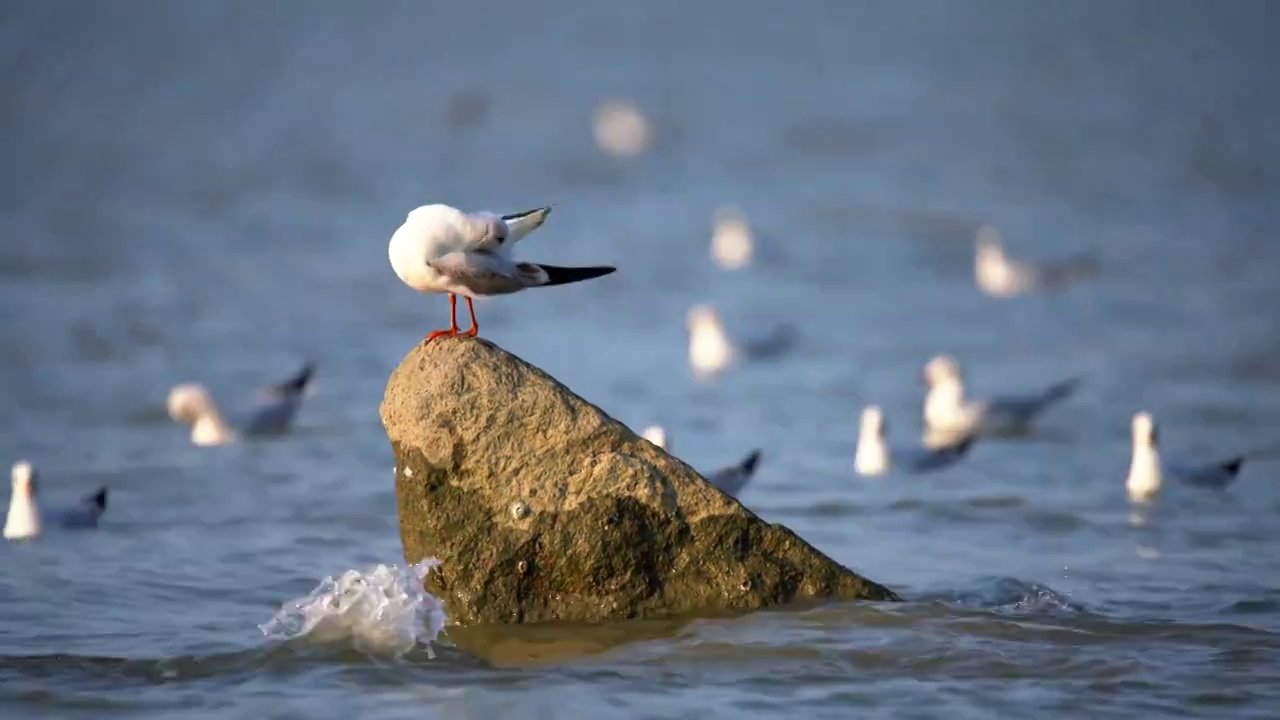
[[383, 610]]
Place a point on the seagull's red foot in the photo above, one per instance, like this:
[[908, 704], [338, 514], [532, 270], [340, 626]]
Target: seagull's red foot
[[453, 321], [475, 328]]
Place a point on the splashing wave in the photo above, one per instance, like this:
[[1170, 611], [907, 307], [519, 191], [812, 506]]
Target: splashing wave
[[382, 610]]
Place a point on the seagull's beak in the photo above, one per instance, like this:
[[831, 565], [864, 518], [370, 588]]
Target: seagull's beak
[[522, 223]]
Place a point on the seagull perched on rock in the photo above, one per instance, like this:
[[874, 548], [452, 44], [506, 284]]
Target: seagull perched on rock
[[998, 276], [948, 412], [440, 249], [729, 479], [1147, 468], [875, 456], [190, 403], [27, 520]]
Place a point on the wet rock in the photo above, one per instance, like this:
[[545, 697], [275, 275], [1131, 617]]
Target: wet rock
[[541, 507]]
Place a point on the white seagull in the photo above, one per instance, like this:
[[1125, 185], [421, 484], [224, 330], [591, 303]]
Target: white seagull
[[440, 249], [729, 479], [26, 519], [948, 413], [731, 239], [190, 403], [875, 456], [1147, 468], [998, 276], [711, 350]]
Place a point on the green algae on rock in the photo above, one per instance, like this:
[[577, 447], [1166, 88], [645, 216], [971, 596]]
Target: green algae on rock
[[541, 507]]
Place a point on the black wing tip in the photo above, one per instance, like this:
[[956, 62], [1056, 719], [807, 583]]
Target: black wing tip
[[557, 275], [99, 498], [299, 381], [1233, 466], [751, 461]]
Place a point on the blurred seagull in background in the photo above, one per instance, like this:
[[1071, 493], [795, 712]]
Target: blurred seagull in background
[[191, 404], [875, 456], [27, 520], [732, 241], [998, 276], [440, 249], [949, 413], [711, 351], [1147, 468], [730, 479]]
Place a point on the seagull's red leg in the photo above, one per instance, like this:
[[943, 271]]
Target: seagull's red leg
[[453, 320], [474, 327]]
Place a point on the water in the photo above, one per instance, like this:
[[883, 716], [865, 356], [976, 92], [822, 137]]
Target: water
[[204, 191]]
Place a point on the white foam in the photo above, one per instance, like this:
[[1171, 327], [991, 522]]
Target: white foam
[[382, 610]]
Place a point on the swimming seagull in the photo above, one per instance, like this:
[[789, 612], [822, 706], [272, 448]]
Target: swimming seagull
[[947, 412], [875, 456], [998, 276], [711, 351], [731, 239], [26, 519], [1147, 468], [729, 479], [440, 249], [277, 405]]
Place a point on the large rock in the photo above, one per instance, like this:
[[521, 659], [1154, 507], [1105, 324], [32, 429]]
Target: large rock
[[542, 507]]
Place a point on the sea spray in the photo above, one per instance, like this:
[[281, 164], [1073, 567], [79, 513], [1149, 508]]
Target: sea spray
[[382, 610]]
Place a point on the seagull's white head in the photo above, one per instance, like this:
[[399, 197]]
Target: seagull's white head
[[24, 479], [942, 370], [873, 422], [189, 402], [1145, 433], [656, 435]]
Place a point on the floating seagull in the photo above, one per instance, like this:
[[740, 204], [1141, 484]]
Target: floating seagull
[[1147, 468], [711, 351], [731, 239], [947, 412], [191, 404], [998, 276], [875, 456], [440, 249], [730, 479], [25, 519]]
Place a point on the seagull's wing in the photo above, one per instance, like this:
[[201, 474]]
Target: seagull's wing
[[1214, 475], [86, 512], [925, 459], [487, 273], [278, 404], [1023, 408], [732, 479]]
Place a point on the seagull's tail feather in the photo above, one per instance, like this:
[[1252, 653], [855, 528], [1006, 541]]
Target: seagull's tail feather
[[556, 275], [1059, 391], [98, 499], [298, 382], [1232, 466]]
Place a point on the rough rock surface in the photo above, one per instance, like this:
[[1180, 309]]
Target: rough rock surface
[[542, 507]]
